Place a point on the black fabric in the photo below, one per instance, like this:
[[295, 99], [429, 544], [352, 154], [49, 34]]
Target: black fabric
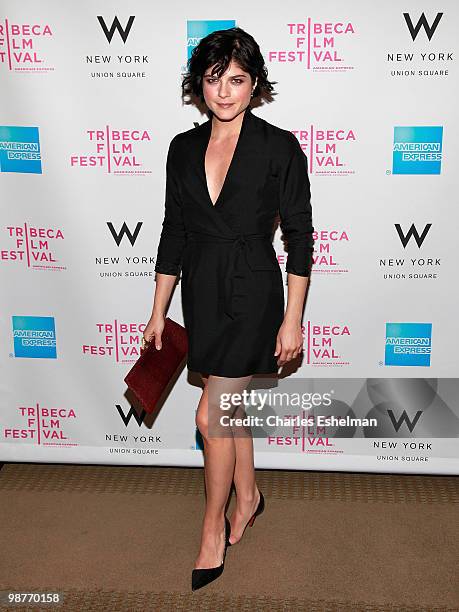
[[231, 283]]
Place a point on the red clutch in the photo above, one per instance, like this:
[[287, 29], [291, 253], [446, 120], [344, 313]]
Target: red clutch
[[154, 369]]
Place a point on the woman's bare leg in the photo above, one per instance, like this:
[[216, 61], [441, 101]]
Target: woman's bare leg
[[247, 494], [219, 465]]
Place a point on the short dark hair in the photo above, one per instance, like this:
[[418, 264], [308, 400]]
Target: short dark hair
[[220, 47]]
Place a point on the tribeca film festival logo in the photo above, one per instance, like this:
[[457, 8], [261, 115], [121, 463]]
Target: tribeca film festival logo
[[118, 340], [416, 268], [420, 59], [323, 343], [134, 261], [327, 149], [23, 46], [417, 150], [327, 248], [42, 425], [34, 337], [20, 149], [198, 29], [408, 344], [35, 247], [116, 151], [116, 34], [321, 46]]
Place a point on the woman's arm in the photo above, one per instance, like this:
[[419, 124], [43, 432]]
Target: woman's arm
[[290, 337], [163, 291], [296, 224], [170, 249]]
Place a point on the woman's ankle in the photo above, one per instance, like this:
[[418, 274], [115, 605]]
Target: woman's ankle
[[248, 497], [214, 523]]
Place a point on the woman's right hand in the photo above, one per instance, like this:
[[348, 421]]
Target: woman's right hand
[[154, 330]]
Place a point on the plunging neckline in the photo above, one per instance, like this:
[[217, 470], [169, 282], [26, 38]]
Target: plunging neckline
[[206, 146]]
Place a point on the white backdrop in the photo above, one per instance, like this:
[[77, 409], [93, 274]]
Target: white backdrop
[[90, 100]]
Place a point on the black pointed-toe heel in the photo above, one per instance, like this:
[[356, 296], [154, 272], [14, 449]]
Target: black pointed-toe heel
[[259, 510], [202, 576]]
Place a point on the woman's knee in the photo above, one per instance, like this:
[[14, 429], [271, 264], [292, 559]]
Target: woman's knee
[[202, 421], [201, 418]]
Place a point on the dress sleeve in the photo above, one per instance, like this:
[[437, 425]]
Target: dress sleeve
[[173, 234], [295, 209]]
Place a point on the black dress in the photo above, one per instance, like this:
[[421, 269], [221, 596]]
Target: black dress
[[231, 282]]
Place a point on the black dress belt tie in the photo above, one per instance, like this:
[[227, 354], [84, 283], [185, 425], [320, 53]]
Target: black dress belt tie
[[240, 244]]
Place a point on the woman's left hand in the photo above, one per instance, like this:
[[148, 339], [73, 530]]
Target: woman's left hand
[[289, 342]]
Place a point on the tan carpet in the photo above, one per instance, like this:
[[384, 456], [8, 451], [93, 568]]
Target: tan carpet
[[125, 538]]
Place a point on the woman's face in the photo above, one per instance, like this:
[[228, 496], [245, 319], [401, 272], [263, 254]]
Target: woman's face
[[228, 95]]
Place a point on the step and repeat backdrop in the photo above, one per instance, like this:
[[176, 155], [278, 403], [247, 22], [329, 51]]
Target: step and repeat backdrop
[[90, 99]]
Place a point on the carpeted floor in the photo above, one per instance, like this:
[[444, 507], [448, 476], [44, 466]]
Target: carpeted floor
[[125, 538]]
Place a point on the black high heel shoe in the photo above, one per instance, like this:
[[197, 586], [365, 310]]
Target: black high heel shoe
[[202, 576], [259, 510]]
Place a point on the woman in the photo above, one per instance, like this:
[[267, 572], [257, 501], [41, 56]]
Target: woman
[[227, 179]]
